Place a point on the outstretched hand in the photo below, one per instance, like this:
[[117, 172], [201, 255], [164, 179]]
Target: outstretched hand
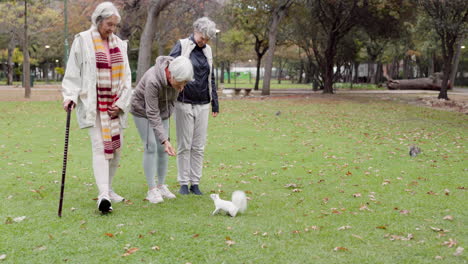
[[169, 149]]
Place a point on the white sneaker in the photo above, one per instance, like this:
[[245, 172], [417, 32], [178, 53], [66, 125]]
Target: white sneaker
[[104, 204], [164, 191], [115, 197], [154, 196]]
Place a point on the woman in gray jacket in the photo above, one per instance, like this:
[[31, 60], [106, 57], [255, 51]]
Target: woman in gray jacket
[[151, 106]]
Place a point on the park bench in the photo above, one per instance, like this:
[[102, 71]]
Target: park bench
[[247, 91]]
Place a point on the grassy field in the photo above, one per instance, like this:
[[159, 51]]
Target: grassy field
[[329, 180]]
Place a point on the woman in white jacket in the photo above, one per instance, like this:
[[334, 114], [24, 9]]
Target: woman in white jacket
[[98, 82]]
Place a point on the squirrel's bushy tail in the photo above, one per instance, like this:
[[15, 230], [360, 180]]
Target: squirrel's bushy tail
[[240, 200]]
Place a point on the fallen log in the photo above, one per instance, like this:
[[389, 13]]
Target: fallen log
[[431, 83]]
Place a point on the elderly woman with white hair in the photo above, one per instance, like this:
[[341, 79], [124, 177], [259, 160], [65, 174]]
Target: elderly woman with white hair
[[98, 82], [152, 105], [193, 105]]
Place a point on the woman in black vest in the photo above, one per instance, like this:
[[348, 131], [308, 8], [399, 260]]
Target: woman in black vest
[[193, 105]]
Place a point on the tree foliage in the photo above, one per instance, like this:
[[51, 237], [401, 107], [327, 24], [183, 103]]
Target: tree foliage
[[450, 22]]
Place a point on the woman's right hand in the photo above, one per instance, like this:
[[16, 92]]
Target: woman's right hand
[[66, 103], [169, 149]]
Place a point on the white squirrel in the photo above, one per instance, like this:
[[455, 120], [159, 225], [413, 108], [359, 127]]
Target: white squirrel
[[237, 204]]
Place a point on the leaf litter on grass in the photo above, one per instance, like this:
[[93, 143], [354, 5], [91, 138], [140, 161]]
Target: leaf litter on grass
[[330, 179]]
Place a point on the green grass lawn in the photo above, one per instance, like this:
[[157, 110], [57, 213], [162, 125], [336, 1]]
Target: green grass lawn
[[329, 180]]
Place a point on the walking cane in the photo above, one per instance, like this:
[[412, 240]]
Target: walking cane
[[65, 154]]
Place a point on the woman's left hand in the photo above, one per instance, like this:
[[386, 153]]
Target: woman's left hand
[[215, 114], [113, 111], [169, 149]]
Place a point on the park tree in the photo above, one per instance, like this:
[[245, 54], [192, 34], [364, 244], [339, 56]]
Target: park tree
[[336, 18], [252, 17], [278, 12], [233, 49], [261, 19], [383, 21], [178, 20], [450, 22], [25, 22], [148, 35], [301, 35]]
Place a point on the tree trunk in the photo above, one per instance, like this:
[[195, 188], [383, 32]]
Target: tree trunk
[[26, 65], [330, 53], [278, 13], [11, 49], [301, 70], [257, 78], [279, 71], [445, 81], [405, 67], [379, 73], [356, 72], [221, 78], [431, 64], [148, 35], [373, 73], [46, 72], [456, 60], [415, 84]]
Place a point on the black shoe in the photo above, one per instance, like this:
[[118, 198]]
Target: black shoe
[[184, 190], [105, 206], [195, 190]]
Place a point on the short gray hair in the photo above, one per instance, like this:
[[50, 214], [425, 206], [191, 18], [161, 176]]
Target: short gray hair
[[205, 26], [104, 10], [181, 69]]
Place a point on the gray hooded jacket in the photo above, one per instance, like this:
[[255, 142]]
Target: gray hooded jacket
[[153, 98]]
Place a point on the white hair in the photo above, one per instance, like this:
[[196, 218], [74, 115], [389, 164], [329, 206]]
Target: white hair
[[181, 69], [205, 26], [104, 10]]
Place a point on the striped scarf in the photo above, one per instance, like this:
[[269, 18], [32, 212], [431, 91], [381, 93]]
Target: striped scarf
[[109, 77]]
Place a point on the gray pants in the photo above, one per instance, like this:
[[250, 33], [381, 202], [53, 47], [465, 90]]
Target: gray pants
[[191, 127], [154, 157]]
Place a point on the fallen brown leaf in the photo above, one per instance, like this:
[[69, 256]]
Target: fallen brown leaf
[[229, 242], [450, 243], [109, 234], [157, 248], [344, 227], [436, 229], [340, 249], [448, 217], [130, 251], [458, 251]]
